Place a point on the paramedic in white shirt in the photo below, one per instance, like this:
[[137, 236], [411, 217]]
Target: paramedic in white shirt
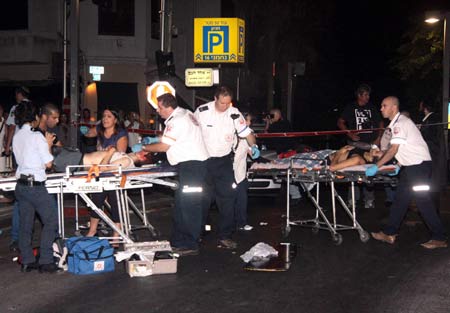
[[221, 126], [411, 151], [183, 143]]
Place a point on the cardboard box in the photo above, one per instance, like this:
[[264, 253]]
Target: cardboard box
[[159, 262]]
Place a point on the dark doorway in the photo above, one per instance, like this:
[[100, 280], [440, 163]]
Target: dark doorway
[[117, 96]]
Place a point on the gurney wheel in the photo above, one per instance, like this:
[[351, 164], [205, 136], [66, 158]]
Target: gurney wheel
[[315, 229], [364, 236], [286, 231], [337, 239]]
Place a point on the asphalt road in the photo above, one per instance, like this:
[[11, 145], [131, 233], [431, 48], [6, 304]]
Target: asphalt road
[[323, 277]]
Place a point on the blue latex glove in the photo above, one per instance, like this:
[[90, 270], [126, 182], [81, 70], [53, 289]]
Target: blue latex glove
[[136, 147], [84, 129], [150, 140], [255, 152], [372, 170], [397, 169]]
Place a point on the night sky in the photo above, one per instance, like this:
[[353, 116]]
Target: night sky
[[361, 47], [369, 34]]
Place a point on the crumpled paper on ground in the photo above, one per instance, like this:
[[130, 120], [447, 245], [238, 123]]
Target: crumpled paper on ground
[[125, 255], [259, 251]]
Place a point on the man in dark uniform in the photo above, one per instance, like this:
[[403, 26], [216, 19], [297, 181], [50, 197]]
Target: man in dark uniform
[[361, 114], [434, 137], [411, 151], [275, 123]]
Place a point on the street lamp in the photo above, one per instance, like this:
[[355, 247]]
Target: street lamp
[[434, 17]]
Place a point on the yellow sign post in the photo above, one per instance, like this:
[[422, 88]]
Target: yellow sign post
[[219, 40]]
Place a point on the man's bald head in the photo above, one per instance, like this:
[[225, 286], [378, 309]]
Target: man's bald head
[[276, 115], [390, 106]]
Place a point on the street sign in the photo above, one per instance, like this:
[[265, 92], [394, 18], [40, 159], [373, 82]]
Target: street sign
[[157, 89], [219, 40], [96, 70], [199, 77]]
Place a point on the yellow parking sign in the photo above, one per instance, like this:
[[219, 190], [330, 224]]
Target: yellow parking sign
[[219, 40]]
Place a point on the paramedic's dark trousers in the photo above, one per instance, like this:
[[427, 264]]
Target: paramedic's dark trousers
[[36, 200], [187, 217], [221, 188], [413, 179]]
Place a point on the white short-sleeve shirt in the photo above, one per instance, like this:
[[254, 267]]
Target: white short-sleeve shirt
[[183, 135], [218, 128], [412, 149], [31, 152]]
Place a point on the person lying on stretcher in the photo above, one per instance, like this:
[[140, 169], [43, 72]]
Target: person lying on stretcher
[[343, 158], [110, 156], [336, 160], [113, 157]]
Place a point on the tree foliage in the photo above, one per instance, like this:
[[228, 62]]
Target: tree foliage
[[419, 63], [421, 53]]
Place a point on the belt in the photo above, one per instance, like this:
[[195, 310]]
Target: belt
[[30, 183]]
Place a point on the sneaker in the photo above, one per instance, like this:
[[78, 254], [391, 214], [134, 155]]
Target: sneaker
[[246, 227], [434, 244], [380, 236], [226, 244], [369, 204], [184, 251]]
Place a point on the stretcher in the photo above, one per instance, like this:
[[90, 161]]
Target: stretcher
[[315, 176], [82, 183]]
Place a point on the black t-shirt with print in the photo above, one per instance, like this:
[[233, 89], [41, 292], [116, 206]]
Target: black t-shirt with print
[[362, 117]]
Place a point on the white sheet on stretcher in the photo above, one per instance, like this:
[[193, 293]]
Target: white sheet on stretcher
[[306, 160], [284, 166]]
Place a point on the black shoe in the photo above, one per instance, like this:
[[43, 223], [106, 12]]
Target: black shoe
[[49, 268], [26, 268], [14, 246], [184, 251]]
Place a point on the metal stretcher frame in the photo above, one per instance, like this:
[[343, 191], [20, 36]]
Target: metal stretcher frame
[[120, 180], [320, 220]]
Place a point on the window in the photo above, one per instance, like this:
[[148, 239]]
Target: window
[[155, 19], [14, 15], [115, 17]]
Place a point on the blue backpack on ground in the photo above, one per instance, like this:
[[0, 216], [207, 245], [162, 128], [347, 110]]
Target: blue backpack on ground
[[89, 255]]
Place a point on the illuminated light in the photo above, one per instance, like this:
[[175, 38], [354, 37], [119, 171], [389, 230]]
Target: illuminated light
[[157, 89], [234, 186], [188, 189], [92, 119], [91, 88], [432, 20], [151, 121], [421, 188], [207, 227]]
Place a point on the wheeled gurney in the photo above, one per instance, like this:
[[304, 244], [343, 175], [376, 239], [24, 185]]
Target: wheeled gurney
[[94, 181], [311, 174]]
